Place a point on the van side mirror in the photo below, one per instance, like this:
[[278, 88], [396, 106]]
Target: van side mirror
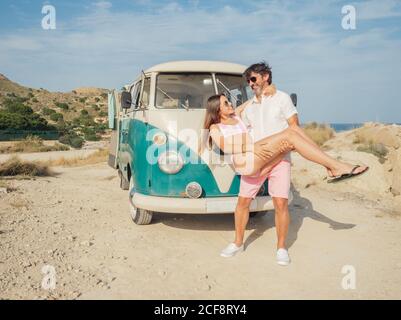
[[126, 100], [294, 98]]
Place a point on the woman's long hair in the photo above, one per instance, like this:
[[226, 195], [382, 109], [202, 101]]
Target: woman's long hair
[[212, 116]]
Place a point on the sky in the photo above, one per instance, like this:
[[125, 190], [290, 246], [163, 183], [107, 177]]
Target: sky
[[339, 75]]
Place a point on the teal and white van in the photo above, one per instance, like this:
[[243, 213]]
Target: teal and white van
[[156, 124]]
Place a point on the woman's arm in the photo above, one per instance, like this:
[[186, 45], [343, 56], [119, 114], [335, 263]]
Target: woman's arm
[[239, 109]]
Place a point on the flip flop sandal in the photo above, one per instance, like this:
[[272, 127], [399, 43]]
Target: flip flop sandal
[[347, 175]]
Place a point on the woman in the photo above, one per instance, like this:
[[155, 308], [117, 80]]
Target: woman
[[229, 133]]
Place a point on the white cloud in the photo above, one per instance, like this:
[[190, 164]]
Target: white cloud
[[103, 5]]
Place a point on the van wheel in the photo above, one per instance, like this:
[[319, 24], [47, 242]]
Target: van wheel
[[139, 216], [253, 214], [124, 183]]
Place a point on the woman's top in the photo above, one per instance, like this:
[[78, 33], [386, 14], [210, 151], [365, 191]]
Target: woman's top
[[232, 129], [229, 130]]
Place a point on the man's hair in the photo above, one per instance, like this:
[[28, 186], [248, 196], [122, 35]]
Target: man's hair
[[261, 68]]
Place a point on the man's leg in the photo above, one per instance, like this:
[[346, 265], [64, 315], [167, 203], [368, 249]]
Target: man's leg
[[249, 187], [241, 217], [279, 188], [282, 220]]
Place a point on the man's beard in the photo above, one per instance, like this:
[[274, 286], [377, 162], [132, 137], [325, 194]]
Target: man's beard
[[258, 91]]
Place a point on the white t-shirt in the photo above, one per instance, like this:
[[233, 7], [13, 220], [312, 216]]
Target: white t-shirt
[[270, 116]]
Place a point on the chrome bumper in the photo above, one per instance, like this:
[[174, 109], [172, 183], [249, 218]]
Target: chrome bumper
[[196, 206]]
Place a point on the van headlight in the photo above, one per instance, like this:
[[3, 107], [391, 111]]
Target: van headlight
[[170, 162]]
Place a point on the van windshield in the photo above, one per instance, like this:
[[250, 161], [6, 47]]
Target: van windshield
[[191, 90], [184, 90], [234, 87]]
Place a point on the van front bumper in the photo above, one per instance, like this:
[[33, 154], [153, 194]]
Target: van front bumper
[[195, 206]]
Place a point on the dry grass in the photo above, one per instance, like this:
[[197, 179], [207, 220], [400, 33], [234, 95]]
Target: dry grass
[[377, 149], [97, 157], [32, 144], [16, 167], [319, 133], [3, 184]]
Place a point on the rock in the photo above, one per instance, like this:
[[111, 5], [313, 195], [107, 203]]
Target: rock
[[395, 159], [71, 238], [162, 273], [86, 243], [3, 190]]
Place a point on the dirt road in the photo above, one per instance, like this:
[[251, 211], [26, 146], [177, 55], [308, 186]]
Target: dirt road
[[78, 223]]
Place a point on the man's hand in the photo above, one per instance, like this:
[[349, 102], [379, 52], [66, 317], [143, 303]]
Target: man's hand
[[285, 147], [262, 152]]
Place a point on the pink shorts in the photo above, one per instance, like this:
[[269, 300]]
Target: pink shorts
[[279, 182]]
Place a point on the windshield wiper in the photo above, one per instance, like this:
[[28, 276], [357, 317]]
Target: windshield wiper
[[226, 88], [167, 95]]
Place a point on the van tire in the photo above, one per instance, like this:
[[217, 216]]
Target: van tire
[[141, 216], [124, 183], [253, 214]]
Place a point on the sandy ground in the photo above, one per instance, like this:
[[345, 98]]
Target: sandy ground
[[77, 221]]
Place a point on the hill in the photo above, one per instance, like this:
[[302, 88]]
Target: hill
[[82, 111], [70, 104]]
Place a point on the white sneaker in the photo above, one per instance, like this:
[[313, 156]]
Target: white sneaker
[[282, 257], [231, 250]]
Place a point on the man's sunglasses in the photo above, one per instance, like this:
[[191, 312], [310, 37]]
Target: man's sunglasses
[[251, 79]]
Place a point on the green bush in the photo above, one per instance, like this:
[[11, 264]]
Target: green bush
[[82, 100], [56, 117], [102, 114], [17, 105], [72, 139], [84, 112], [92, 137], [47, 111], [77, 142], [62, 105], [18, 116], [34, 100]]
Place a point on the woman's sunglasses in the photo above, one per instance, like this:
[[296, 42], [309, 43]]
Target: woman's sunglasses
[[251, 79]]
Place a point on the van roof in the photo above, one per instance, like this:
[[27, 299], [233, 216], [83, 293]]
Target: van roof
[[198, 66]]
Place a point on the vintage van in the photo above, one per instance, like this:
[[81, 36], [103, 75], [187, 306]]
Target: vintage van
[[156, 124]]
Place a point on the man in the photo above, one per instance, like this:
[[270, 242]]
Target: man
[[266, 115]]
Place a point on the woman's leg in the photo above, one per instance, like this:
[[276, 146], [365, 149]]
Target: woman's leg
[[251, 162]]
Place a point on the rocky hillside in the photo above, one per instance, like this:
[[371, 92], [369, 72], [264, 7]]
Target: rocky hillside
[[69, 104]]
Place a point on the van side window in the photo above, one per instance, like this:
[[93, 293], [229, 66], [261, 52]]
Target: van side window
[[135, 91], [146, 93]]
